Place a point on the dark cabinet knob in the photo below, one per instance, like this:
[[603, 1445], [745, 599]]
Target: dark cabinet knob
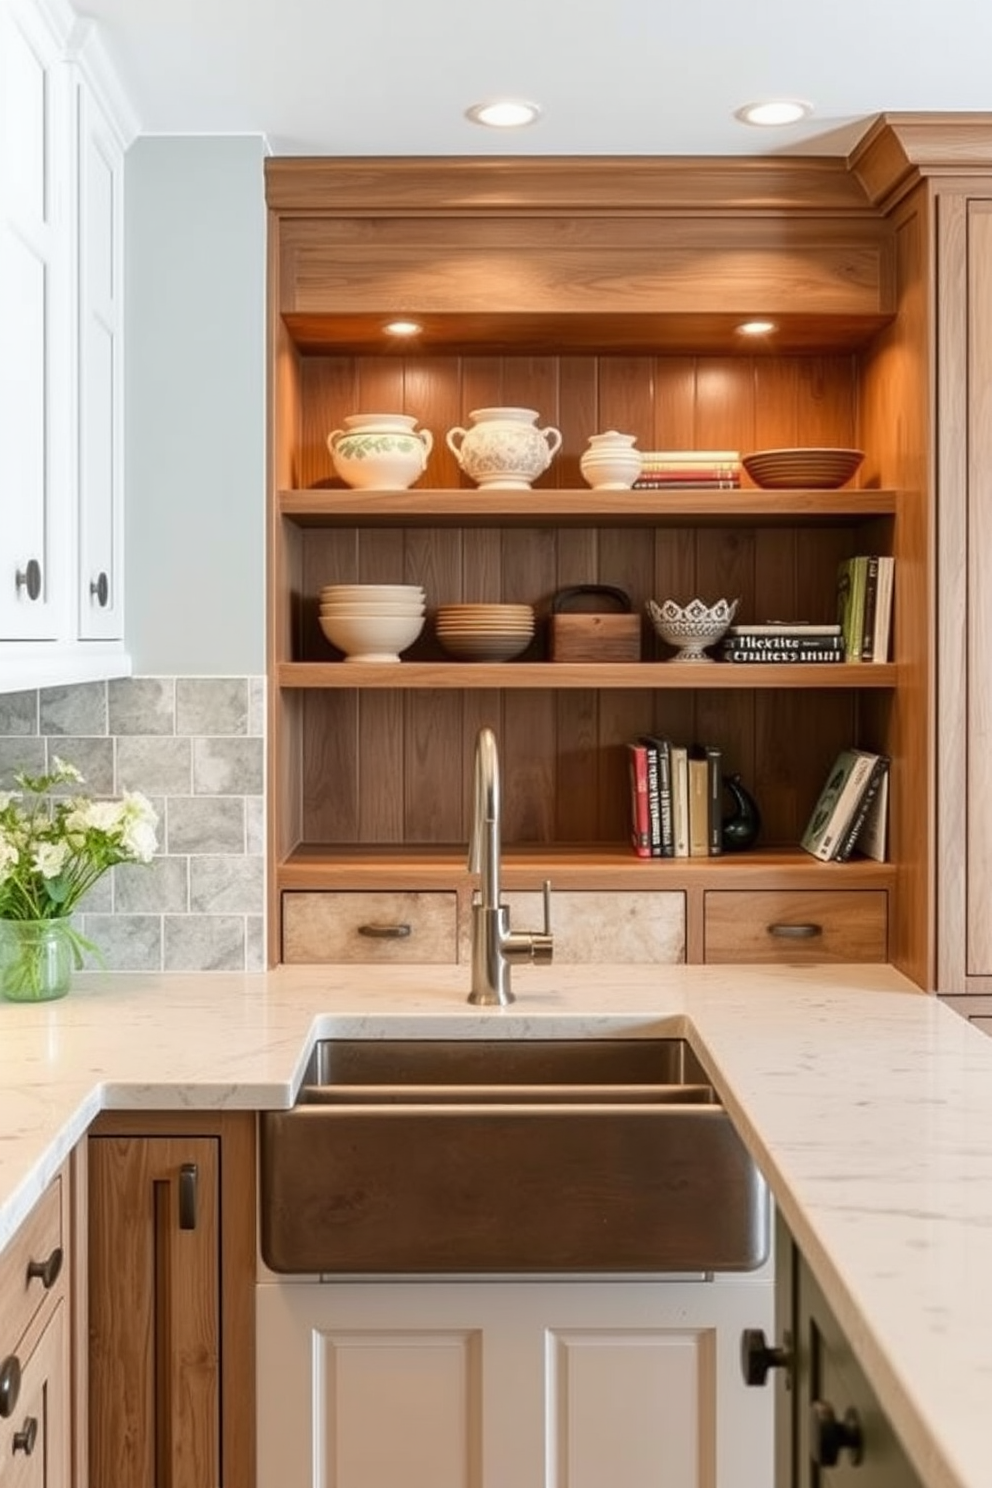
[[100, 589], [828, 1437], [48, 1270], [758, 1356], [10, 1384], [25, 1439], [28, 578]]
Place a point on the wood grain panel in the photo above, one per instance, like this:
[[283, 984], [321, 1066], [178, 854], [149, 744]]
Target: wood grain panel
[[45, 1229], [978, 717], [431, 784], [331, 773]]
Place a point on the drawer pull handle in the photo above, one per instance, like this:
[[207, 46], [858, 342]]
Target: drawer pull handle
[[385, 932], [188, 1176], [795, 932], [25, 1439], [10, 1384], [47, 1271]]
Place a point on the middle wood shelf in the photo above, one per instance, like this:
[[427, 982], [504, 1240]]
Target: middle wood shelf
[[556, 675]]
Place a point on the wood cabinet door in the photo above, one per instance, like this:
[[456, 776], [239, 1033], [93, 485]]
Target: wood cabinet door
[[35, 1441], [154, 1312]]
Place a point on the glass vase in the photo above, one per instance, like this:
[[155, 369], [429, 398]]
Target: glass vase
[[36, 959]]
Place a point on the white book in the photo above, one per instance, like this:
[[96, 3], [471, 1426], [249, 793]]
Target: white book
[[680, 799], [883, 609]]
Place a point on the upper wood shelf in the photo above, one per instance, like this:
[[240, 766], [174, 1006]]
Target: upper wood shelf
[[724, 677], [580, 507]]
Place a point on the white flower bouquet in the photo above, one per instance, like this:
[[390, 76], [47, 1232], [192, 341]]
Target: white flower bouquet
[[53, 848]]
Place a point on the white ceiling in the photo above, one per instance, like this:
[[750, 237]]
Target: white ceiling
[[394, 77]]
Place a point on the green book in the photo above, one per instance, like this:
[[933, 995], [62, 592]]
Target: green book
[[852, 582]]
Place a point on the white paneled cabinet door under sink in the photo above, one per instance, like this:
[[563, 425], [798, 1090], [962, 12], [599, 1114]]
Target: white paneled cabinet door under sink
[[511, 1384]]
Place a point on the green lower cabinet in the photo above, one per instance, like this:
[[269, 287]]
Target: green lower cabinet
[[830, 1429]]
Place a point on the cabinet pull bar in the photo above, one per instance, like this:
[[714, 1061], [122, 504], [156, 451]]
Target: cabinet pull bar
[[48, 1270], [188, 1175], [25, 1439], [10, 1384], [795, 932], [29, 578], [385, 932]]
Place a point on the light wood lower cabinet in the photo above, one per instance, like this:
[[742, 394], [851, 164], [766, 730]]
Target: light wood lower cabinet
[[591, 927], [35, 1347], [171, 1267], [794, 926], [488, 1384]]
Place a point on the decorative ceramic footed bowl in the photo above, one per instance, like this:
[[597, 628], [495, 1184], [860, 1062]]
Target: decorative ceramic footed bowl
[[504, 449], [611, 463], [692, 627], [380, 451]]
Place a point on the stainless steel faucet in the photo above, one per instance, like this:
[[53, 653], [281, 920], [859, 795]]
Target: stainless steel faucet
[[494, 945]]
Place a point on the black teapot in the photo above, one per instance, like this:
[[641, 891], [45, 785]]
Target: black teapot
[[741, 827]]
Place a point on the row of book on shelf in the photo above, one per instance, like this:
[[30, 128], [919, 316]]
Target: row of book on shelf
[[861, 632], [851, 812], [689, 470], [676, 793]]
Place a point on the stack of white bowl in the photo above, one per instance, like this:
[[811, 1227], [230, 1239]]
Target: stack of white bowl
[[372, 622], [485, 632]]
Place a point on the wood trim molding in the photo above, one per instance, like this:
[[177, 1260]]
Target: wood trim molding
[[818, 186], [901, 148]]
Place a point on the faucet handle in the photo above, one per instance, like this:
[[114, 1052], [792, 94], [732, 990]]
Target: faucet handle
[[547, 907]]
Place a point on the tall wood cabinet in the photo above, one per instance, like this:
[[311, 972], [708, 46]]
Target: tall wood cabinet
[[607, 294], [171, 1292]]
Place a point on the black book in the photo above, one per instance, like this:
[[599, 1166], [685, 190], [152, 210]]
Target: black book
[[871, 600], [714, 765], [753, 641], [849, 840], [654, 796], [661, 750]]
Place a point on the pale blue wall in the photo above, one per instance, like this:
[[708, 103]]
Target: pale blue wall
[[195, 405]]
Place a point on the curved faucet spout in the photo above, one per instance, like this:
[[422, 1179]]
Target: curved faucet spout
[[494, 945]]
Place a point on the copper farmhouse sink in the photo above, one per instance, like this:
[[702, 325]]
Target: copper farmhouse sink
[[508, 1156]]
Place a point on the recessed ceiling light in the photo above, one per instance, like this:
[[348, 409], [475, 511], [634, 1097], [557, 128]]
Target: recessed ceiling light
[[756, 328], [504, 113], [403, 328], [775, 111]]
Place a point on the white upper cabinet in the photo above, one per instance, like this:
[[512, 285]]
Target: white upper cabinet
[[64, 128], [35, 312]]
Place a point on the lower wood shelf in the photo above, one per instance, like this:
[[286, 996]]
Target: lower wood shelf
[[590, 866]]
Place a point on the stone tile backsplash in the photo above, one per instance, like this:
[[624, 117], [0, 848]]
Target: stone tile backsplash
[[195, 746]]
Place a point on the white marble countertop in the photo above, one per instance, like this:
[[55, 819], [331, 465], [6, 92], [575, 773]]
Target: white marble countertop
[[866, 1104]]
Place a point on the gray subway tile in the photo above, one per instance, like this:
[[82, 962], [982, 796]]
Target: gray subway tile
[[205, 824], [255, 825], [211, 705], [126, 942], [20, 754], [158, 887], [93, 758], [226, 885], [100, 898], [204, 943], [256, 707], [254, 943], [155, 766], [18, 713], [80, 709], [142, 705], [228, 767]]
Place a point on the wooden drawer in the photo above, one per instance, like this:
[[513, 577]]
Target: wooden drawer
[[596, 926], [36, 1242], [35, 1439], [794, 925], [377, 927]]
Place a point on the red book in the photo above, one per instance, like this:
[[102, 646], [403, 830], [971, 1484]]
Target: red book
[[640, 834]]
